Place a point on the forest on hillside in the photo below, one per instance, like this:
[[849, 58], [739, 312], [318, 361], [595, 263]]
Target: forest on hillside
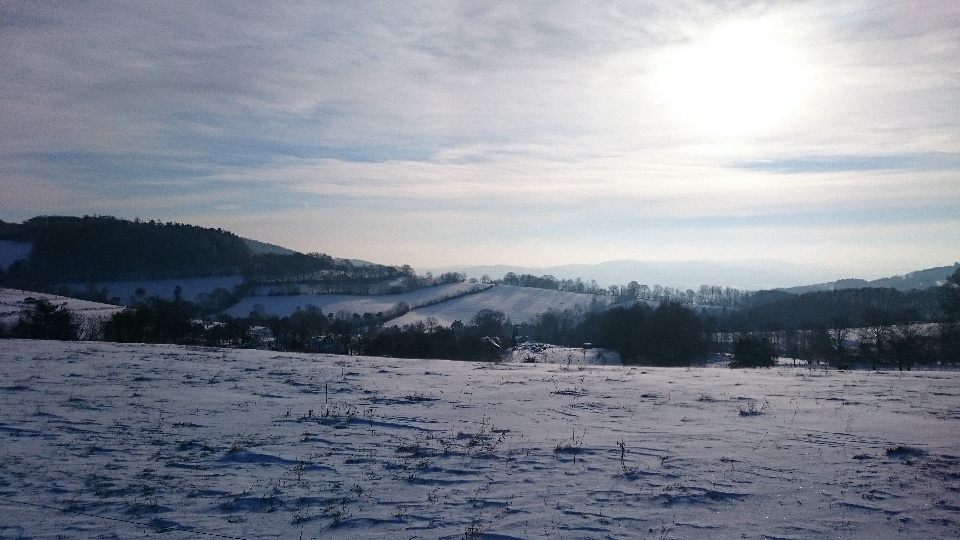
[[97, 248], [93, 249]]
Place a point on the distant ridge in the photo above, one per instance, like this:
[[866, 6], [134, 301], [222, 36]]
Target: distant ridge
[[263, 248], [746, 274], [918, 280]]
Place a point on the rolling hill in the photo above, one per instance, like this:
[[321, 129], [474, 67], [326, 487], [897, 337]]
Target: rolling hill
[[918, 280], [285, 305], [520, 304]]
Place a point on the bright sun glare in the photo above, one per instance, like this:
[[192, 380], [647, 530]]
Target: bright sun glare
[[739, 80]]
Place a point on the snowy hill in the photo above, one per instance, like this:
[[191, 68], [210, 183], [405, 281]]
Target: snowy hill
[[103, 440], [445, 303], [520, 304], [334, 303], [14, 303]]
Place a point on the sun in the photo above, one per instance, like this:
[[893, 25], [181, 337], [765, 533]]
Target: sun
[[739, 80]]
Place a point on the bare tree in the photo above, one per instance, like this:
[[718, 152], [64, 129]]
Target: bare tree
[[839, 331], [906, 347], [876, 334]]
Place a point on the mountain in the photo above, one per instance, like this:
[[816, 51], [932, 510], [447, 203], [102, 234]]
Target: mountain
[[747, 274], [918, 280]]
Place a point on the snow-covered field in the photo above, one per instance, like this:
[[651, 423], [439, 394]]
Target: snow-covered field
[[102, 440], [360, 304], [545, 353], [520, 304]]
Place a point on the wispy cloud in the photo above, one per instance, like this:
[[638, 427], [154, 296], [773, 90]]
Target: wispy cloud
[[471, 130]]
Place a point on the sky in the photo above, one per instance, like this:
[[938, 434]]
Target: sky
[[530, 133]]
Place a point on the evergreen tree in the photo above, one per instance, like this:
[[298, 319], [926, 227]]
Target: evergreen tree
[[753, 352], [48, 321]]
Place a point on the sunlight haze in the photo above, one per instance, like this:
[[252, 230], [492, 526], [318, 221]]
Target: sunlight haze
[[737, 81]]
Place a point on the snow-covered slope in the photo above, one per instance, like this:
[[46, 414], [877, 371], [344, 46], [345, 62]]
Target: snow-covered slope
[[125, 441], [520, 304], [334, 303], [13, 304]]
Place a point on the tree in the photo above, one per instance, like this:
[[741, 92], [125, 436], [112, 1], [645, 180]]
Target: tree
[[753, 352], [949, 300], [643, 292], [553, 326], [489, 322], [949, 297], [451, 277], [623, 329], [154, 321], [674, 336], [48, 321], [906, 347], [873, 341], [818, 347], [656, 293], [838, 332]]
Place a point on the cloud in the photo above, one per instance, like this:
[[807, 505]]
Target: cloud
[[539, 122]]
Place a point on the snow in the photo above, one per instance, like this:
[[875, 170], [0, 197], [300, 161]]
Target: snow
[[520, 304], [334, 303], [545, 353], [101, 440], [13, 304]]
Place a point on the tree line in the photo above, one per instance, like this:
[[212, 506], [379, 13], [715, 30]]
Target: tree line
[[667, 335], [869, 327], [705, 295]]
